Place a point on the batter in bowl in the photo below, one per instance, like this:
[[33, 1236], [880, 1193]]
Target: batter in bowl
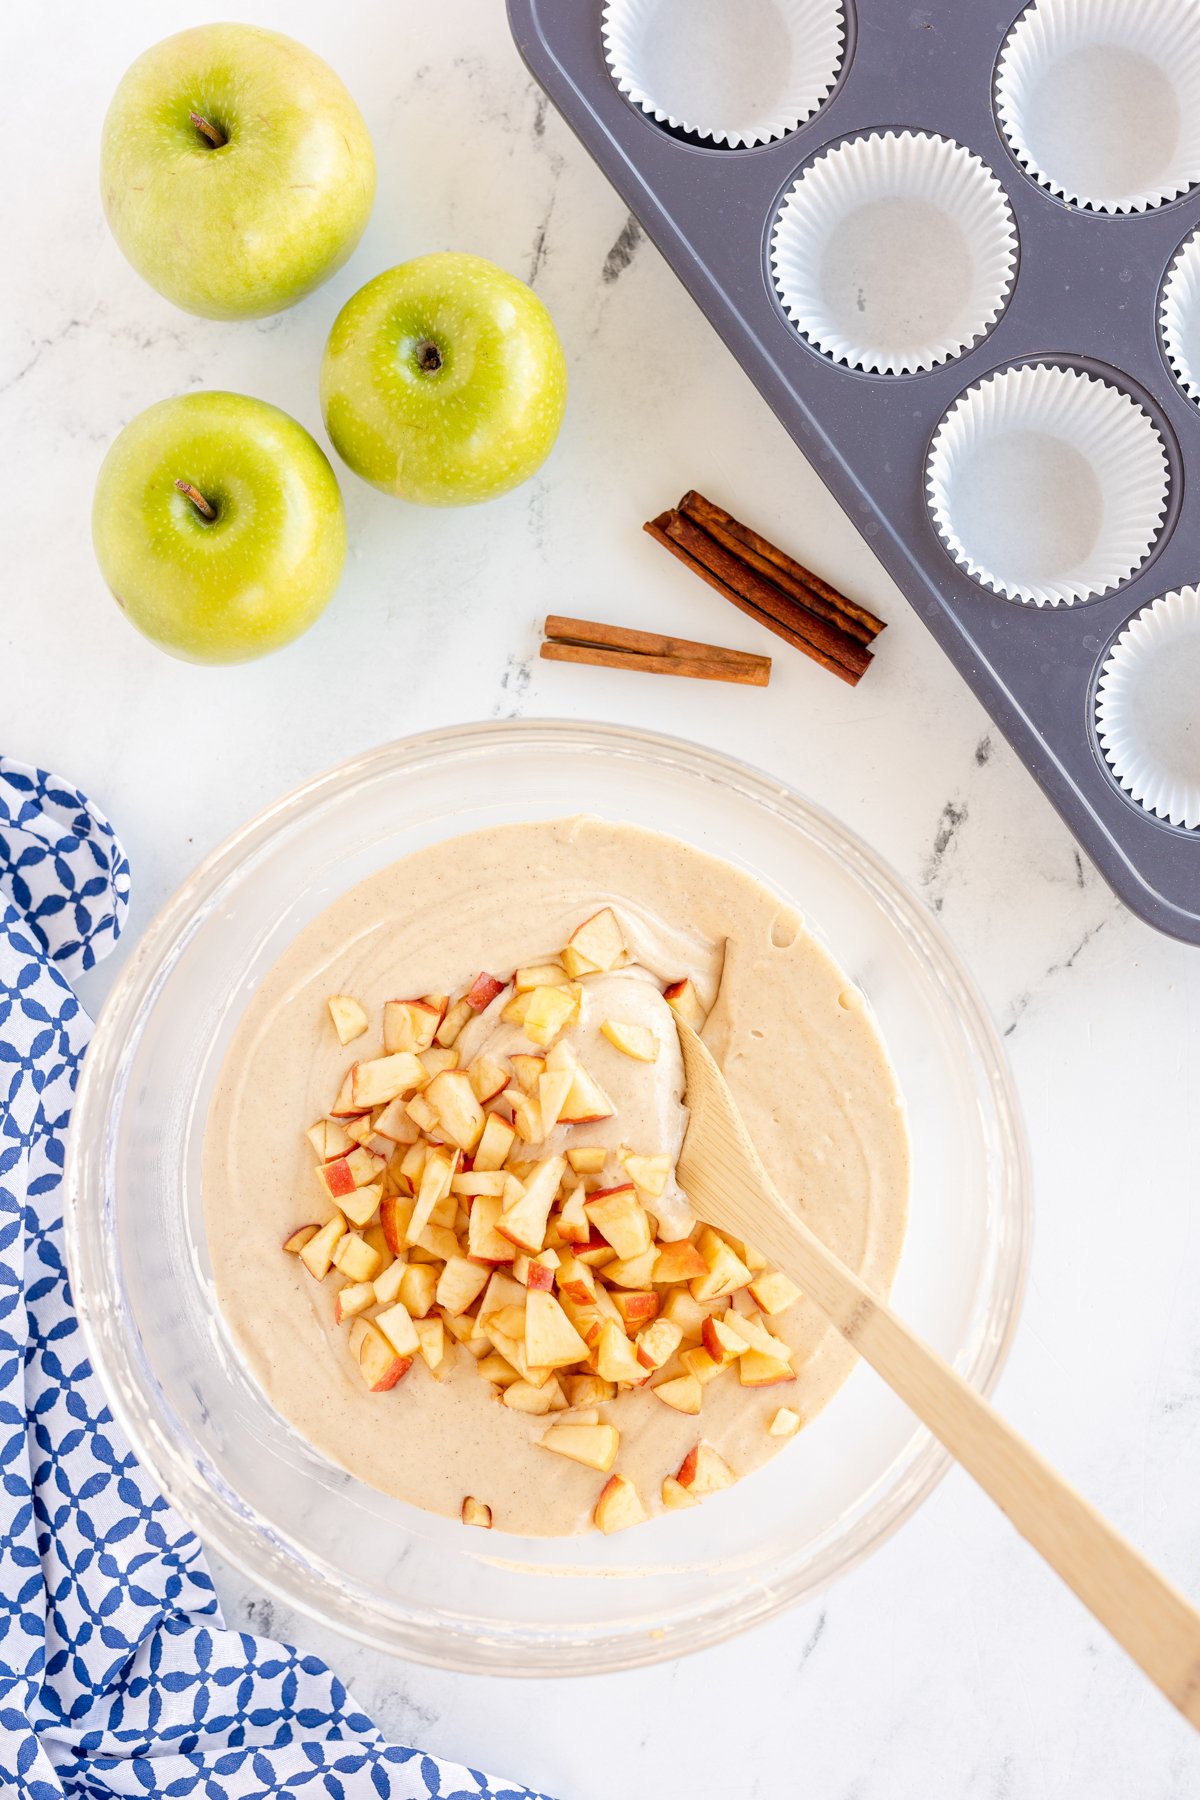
[[797, 1045]]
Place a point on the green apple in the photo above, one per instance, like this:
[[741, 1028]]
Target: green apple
[[218, 525], [444, 381], [236, 171]]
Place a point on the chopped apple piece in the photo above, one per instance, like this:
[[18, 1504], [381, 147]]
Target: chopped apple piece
[[619, 1505], [474, 1184], [397, 1327], [785, 1423], [361, 1203], [587, 1159], [522, 1396], [436, 1176], [595, 1446], [488, 1077], [420, 1110], [587, 1390], [631, 1271], [699, 1363], [418, 1288], [546, 1012], [675, 1496], [682, 998], [685, 1312], [723, 1341], [526, 1115], [375, 1083], [598, 941], [295, 1241], [355, 1258], [344, 1107], [637, 1041], [754, 1259], [447, 1032], [484, 1243], [620, 1217], [553, 1089], [575, 1279], [649, 1173], [725, 1271], [317, 1254], [354, 1298], [637, 1307], [495, 1144], [436, 1060], [773, 1292], [703, 1471], [679, 1262], [551, 1341], [498, 1370], [476, 1512], [460, 1115], [524, 1221], [460, 1284], [328, 1139], [616, 1358], [535, 975], [380, 1366], [750, 1327], [337, 1178], [587, 1102], [536, 1271], [349, 1018], [658, 1343], [409, 1025], [361, 1130], [395, 1213], [528, 1070], [758, 1370], [395, 1124], [387, 1282], [483, 991], [685, 1393], [573, 1222]]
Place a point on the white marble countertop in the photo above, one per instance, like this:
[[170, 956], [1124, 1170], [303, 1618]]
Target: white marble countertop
[[952, 1664]]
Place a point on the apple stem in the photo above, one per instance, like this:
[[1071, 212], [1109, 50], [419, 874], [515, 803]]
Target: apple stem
[[429, 357], [213, 133], [202, 506]]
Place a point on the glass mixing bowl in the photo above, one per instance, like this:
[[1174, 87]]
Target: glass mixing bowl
[[398, 1578]]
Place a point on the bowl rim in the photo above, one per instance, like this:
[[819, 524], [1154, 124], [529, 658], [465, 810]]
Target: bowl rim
[[261, 1556]]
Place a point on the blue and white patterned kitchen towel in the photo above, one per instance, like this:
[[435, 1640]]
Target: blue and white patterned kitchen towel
[[117, 1673]]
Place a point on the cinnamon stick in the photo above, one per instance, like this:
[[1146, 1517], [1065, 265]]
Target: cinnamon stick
[[803, 585], [619, 647], [826, 642]]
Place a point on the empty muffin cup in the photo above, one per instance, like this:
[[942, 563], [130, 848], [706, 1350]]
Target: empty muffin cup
[[1148, 711], [1047, 484], [894, 252], [1179, 317], [739, 72], [1100, 99]]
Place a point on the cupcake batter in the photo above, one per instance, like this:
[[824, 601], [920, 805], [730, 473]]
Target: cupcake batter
[[796, 1043]]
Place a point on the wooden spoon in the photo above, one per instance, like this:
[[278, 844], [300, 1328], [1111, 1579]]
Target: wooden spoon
[[720, 1171]]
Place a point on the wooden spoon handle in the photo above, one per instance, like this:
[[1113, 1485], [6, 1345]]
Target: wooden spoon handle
[[1149, 1617]]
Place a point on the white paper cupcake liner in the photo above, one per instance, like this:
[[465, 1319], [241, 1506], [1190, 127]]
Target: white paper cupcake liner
[[894, 252], [1179, 317], [1100, 99], [1148, 708], [740, 72], [1046, 484]]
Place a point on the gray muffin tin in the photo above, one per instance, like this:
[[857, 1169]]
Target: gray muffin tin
[[1086, 296]]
